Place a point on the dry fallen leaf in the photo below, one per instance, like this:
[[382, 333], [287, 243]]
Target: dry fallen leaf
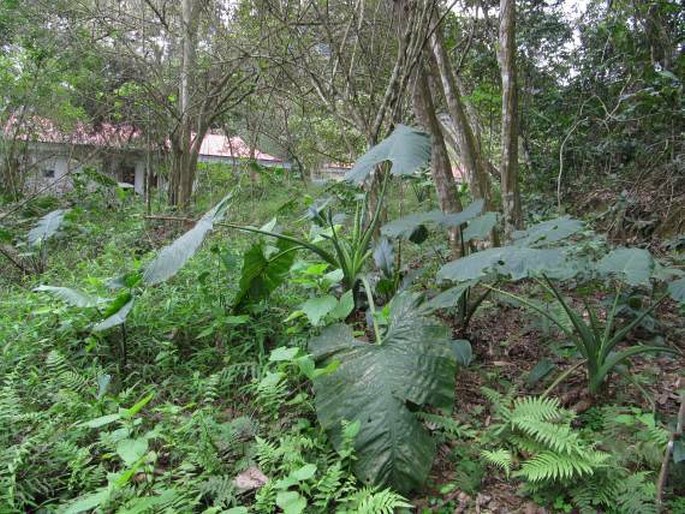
[[251, 478]]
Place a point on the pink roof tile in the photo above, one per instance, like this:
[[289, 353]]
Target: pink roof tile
[[218, 145], [108, 135], [46, 131]]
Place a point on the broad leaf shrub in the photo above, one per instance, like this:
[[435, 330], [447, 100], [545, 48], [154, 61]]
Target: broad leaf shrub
[[351, 250], [168, 261], [527, 258], [376, 385]]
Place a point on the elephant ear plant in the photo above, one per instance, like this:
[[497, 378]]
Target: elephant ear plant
[[596, 341], [351, 250], [34, 257], [475, 225], [381, 384], [113, 312]]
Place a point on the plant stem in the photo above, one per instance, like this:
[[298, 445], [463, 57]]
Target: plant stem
[[562, 377], [372, 308], [675, 435]]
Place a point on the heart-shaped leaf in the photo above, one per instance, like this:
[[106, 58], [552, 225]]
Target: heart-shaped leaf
[[174, 256], [407, 148], [547, 232], [46, 227], [379, 385], [509, 261], [632, 265]]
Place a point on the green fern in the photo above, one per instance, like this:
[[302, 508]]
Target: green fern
[[543, 409], [558, 438], [616, 491], [267, 453], [552, 466], [369, 500], [501, 458], [220, 490], [448, 425], [501, 403], [63, 377], [540, 432], [636, 495]]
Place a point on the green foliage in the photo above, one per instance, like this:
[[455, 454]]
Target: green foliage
[[408, 149], [548, 449], [595, 341], [264, 269], [370, 500], [373, 385], [406, 226], [46, 227], [551, 231], [173, 257], [508, 261], [537, 443], [634, 266], [71, 296]]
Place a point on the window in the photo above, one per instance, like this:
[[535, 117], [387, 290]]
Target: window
[[128, 174], [48, 173]]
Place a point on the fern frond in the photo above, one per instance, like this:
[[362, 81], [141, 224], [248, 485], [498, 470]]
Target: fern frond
[[559, 438], [369, 500], [501, 458], [448, 425], [597, 492], [636, 494], [55, 363], [220, 489], [267, 453], [330, 486], [552, 466], [499, 401], [542, 409]]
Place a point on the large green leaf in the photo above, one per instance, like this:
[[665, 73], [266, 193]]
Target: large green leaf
[[677, 290], [509, 261], [480, 227], [71, 296], [548, 232], [379, 385], [408, 149], [46, 227], [262, 274], [405, 226], [115, 319], [632, 265], [317, 308], [174, 256], [448, 298]]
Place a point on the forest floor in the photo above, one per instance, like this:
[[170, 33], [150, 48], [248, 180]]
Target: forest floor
[[508, 344]]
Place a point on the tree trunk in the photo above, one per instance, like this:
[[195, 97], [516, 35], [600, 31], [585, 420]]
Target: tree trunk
[[511, 197], [445, 185], [467, 145], [183, 163]]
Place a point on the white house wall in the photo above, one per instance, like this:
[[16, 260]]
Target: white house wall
[[139, 182]]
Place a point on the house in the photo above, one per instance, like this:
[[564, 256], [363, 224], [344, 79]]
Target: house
[[233, 150], [49, 155], [331, 171]]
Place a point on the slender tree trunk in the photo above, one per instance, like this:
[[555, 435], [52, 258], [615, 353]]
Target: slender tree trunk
[[511, 197], [467, 144], [184, 164], [445, 185]]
